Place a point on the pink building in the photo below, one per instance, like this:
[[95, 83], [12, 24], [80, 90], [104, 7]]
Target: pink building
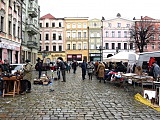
[[116, 36]]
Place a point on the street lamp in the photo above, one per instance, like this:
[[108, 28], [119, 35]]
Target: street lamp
[[100, 48]]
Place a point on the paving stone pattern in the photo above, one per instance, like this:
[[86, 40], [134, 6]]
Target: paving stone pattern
[[75, 99]]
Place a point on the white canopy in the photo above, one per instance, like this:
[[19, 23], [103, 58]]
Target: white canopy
[[123, 56]]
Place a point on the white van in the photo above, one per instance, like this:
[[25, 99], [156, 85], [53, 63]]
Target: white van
[[145, 57]]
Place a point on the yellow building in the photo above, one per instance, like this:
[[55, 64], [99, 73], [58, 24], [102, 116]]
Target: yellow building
[[76, 38]]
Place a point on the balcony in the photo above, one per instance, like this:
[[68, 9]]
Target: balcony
[[32, 44], [32, 29], [32, 11]]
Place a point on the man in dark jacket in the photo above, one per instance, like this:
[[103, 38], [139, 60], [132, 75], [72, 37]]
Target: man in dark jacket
[[62, 67], [83, 66], [39, 66]]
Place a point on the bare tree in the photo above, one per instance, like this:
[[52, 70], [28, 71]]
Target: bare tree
[[142, 32]]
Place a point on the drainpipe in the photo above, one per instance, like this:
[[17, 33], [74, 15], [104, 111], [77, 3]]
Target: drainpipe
[[21, 2]]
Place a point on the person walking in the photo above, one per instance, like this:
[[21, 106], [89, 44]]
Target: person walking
[[90, 68], [74, 66], [100, 71], [83, 66], [61, 65]]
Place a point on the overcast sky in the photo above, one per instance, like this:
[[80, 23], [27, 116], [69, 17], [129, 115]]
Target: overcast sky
[[98, 8]]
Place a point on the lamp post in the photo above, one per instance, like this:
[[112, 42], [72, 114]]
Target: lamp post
[[100, 48]]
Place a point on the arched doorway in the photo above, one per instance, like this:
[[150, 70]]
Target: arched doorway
[[109, 55]]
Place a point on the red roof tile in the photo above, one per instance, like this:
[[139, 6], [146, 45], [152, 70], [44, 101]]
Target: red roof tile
[[47, 16], [148, 18]]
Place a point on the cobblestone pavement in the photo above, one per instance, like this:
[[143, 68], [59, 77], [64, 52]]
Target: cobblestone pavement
[[75, 100]]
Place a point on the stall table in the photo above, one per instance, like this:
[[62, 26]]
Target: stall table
[[11, 85]]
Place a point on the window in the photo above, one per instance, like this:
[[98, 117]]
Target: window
[[95, 24], [74, 46], [113, 34], [159, 37], [92, 46], [125, 46], [106, 46], [153, 47], [119, 45], [60, 24], [79, 25], [152, 37], [84, 25], [40, 36], [119, 34], [68, 46], [53, 24], [14, 30], [47, 36], [68, 25], [68, 34], [73, 25], [145, 46], [109, 25], [74, 35], [40, 25], [128, 25], [84, 34], [60, 48], [158, 28], [79, 46], [118, 25], [59, 37], [113, 45], [79, 34], [18, 32], [131, 46], [10, 3], [14, 6], [9, 27], [125, 34], [107, 34], [19, 11], [54, 48], [2, 24], [85, 46], [47, 25], [47, 48], [54, 36]]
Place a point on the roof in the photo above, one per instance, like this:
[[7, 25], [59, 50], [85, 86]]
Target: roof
[[148, 18], [47, 16]]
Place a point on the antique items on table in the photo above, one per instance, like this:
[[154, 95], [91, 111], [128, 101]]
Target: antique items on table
[[11, 85]]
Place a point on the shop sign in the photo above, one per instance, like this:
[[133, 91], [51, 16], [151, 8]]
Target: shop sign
[[79, 56], [69, 56], [2, 45]]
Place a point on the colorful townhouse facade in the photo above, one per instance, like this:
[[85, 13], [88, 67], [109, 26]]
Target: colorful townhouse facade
[[10, 30], [30, 30], [154, 40], [76, 38], [95, 39], [116, 36], [18, 30], [52, 40]]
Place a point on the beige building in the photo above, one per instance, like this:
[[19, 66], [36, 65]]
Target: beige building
[[76, 36], [51, 38], [95, 39]]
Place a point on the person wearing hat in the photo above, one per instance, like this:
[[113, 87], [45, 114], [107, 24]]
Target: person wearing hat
[[27, 77]]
